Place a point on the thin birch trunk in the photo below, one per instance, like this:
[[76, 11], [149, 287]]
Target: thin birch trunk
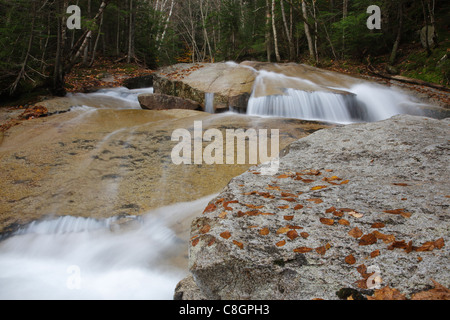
[[275, 36]]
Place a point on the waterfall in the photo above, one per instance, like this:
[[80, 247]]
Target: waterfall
[[209, 102], [278, 95], [83, 258], [111, 98], [316, 105]]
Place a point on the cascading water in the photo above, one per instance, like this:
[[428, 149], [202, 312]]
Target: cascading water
[[81, 258], [277, 95], [113, 98], [209, 102]]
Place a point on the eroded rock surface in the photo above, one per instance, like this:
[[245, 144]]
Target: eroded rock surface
[[158, 101], [232, 84], [101, 163], [356, 207]]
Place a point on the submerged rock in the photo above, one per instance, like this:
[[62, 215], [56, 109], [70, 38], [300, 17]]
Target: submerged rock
[[353, 208]]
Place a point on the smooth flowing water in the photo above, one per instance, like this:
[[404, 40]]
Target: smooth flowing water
[[325, 98], [209, 102], [145, 256], [82, 258]]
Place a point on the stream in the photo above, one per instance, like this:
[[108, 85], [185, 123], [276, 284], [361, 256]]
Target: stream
[[84, 178]]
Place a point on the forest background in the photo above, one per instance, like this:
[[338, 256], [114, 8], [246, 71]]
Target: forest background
[[39, 52]]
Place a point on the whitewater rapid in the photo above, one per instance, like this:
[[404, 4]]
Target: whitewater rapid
[[69, 258]]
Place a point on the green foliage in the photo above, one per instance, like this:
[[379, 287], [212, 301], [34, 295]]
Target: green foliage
[[207, 30], [434, 68]]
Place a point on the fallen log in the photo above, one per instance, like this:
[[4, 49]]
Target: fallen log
[[408, 80]]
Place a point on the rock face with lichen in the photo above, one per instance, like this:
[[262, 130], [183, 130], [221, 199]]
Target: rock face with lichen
[[352, 208]]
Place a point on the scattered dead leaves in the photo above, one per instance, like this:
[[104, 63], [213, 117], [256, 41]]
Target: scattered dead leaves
[[439, 292], [226, 203], [205, 229], [386, 238], [408, 247], [400, 212], [226, 235], [283, 230], [238, 244], [195, 241], [303, 250], [281, 243], [350, 259], [355, 233], [344, 222], [326, 221], [34, 112], [322, 250], [387, 293], [304, 235], [292, 234], [368, 239], [375, 254], [315, 200], [378, 225], [210, 208]]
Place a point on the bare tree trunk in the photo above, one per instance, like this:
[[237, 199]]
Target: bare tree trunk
[[59, 70], [27, 55], [399, 34], [316, 32], [433, 21], [131, 34], [275, 36], [307, 31], [94, 50], [86, 50], [267, 36], [288, 31], [166, 24], [118, 31], [84, 39], [344, 16]]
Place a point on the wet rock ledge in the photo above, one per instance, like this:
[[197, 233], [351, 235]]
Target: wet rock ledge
[[352, 208]]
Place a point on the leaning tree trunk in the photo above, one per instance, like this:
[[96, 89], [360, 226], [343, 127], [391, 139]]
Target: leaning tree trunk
[[399, 34], [84, 39], [22, 72]]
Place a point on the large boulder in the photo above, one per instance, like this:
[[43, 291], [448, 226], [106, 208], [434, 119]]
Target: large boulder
[[158, 101], [352, 209], [233, 84]]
